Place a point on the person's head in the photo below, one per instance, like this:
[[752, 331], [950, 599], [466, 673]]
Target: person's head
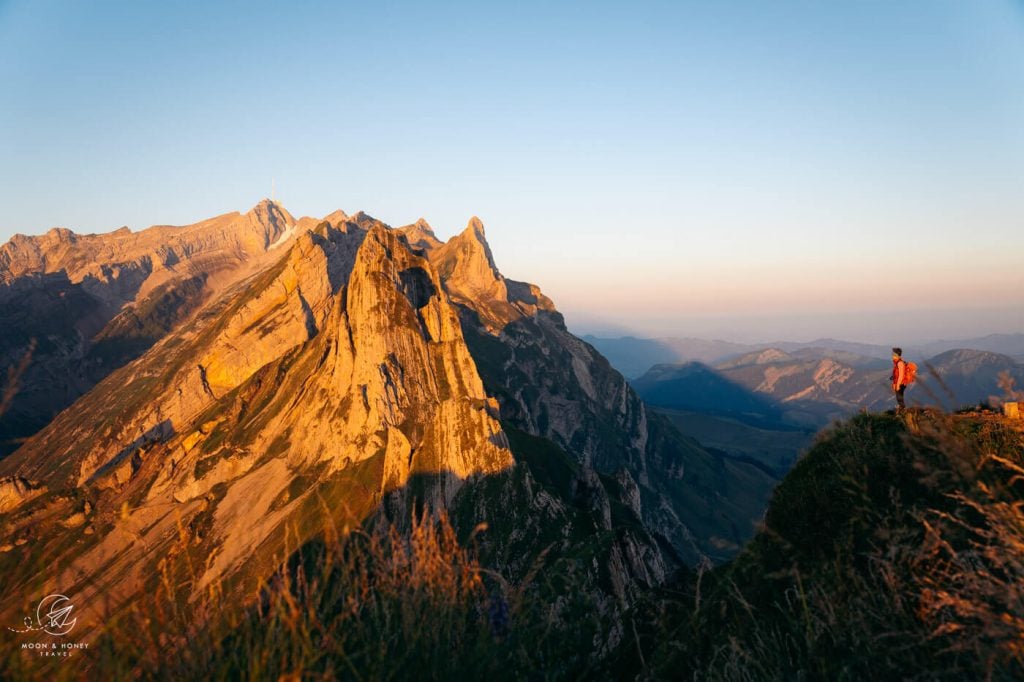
[[897, 353]]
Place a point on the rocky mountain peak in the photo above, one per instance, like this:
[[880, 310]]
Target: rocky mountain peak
[[364, 219], [420, 235], [274, 220], [61, 234], [467, 267], [767, 356], [477, 227], [270, 210], [467, 256], [971, 357], [336, 217]]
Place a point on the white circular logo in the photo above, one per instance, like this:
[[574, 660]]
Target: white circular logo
[[54, 614]]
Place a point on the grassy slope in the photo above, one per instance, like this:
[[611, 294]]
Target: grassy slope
[[774, 448], [894, 549]]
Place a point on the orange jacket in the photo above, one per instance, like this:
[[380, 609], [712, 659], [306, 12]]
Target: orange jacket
[[899, 373]]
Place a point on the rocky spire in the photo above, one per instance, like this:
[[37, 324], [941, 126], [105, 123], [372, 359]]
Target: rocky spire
[[467, 266], [471, 277], [420, 235]]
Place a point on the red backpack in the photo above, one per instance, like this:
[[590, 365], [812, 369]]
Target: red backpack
[[909, 373]]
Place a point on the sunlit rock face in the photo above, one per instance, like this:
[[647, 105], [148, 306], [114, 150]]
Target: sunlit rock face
[[340, 370], [93, 302], [341, 365]]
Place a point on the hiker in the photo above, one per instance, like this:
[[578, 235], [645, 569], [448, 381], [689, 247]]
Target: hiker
[[899, 378]]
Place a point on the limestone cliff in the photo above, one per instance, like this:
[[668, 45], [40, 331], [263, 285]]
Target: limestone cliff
[[551, 384], [332, 377], [93, 302], [471, 277], [348, 370]]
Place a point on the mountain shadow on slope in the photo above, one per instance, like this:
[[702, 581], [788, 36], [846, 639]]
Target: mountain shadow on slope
[[695, 387], [724, 415], [532, 573], [541, 376], [635, 356], [74, 349]]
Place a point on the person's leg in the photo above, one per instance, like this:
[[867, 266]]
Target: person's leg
[[899, 399]]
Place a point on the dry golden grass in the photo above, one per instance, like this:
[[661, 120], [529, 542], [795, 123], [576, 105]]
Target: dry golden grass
[[894, 551], [360, 604], [971, 571]]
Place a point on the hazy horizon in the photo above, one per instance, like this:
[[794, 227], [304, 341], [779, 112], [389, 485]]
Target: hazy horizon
[[672, 169], [906, 328]]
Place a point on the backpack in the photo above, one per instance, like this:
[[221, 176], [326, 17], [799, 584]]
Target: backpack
[[909, 373]]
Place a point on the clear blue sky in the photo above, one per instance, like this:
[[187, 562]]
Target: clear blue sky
[[741, 169]]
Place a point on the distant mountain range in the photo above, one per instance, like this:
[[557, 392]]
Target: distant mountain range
[[634, 356], [764, 406], [812, 386]]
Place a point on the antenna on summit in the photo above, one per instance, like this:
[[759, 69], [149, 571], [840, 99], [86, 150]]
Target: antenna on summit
[[272, 190]]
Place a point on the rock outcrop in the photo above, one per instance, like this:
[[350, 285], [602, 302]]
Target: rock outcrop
[[15, 491], [551, 384], [472, 279], [93, 302], [343, 371], [340, 371]]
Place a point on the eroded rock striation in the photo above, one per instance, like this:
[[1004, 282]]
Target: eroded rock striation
[[339, 370], [93, 302]]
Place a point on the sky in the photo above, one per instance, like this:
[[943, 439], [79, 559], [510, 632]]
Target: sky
[[741, 170]]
